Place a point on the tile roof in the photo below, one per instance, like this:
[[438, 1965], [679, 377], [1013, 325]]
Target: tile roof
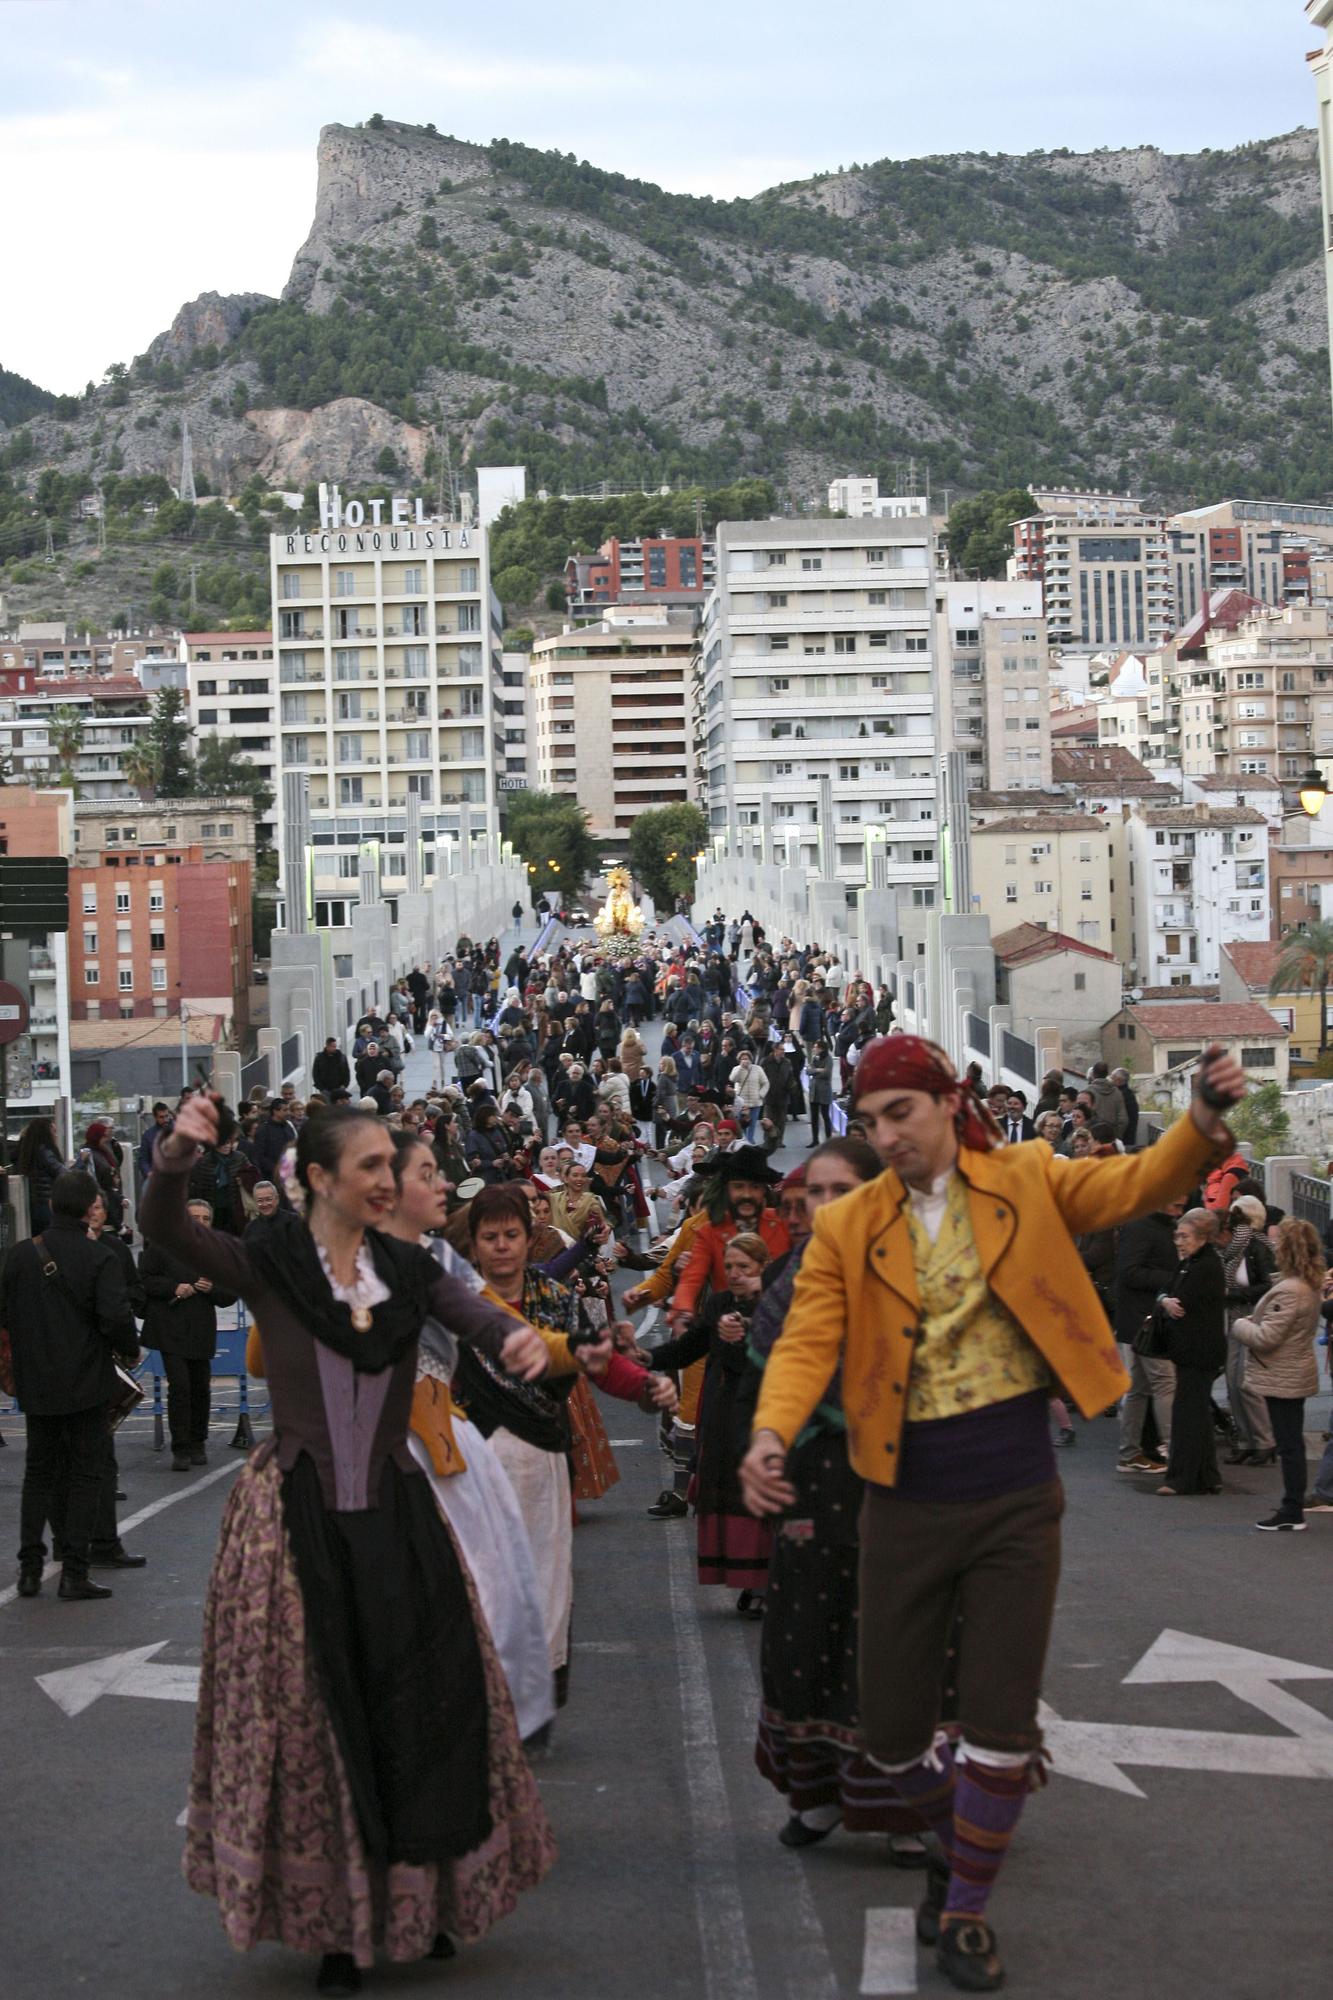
[[1178, 995], [1026, 943], [1202, 814], [1256, 963], [1206, 1018], [1219, 783], [1044, 822]]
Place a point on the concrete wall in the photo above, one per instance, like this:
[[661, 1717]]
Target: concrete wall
[[321, 982]]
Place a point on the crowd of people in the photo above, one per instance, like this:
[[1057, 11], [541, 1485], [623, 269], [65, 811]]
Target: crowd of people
[[866, 1363]]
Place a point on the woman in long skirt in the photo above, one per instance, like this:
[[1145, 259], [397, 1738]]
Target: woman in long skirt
[[809, 1742], [733, 1548], [358, 1778]]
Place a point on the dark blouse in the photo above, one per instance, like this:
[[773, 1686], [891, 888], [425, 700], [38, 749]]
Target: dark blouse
[[347, 1423]]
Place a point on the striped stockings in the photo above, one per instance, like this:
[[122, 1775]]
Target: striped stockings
[[972, 1805]]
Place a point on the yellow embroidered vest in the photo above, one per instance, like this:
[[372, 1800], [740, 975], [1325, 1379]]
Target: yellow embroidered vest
[[971, 1351]]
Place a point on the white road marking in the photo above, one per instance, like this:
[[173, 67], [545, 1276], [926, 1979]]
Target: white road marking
[[626, 1444], [133, 1673], [1181, 1656], [728, 1964], [889, 1963], [155, 1507]]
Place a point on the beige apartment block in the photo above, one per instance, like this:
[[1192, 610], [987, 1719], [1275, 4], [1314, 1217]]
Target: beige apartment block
[[610, 715], [995, 683], [1050, 869], [1274, 712], [1102, 561]]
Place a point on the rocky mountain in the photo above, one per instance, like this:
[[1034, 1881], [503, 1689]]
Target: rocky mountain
[[1125, 317]]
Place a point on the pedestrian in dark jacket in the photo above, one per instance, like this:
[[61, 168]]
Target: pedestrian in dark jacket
[[38, 1159], [1196, 1341], [273, 1136], [65, 1304], [182, 1324], [162, 1122], [331, 1070], [101, 1158], [1130, 1135]]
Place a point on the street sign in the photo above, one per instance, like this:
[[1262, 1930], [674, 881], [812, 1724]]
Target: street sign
[[13, 1013], [513, 784], [34, 894]]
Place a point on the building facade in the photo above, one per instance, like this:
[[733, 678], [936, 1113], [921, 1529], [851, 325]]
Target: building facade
[[611, 716], [1273, 692], [995, 683], [232, 691], [1199, 879], [1051, 870], [1150, 1040], [1103, 564], [861, 499], [665, 570], [107, 716], [390, 686], [817, 669]]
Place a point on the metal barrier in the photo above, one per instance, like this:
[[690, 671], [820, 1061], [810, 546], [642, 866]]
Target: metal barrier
[[1310, 1200], [229, 1361]]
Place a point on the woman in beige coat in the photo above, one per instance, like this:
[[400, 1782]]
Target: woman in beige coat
[[1280, 1334], [633, 1055]]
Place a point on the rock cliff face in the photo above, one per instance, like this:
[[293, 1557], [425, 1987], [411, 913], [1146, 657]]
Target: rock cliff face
[[1117, 317]]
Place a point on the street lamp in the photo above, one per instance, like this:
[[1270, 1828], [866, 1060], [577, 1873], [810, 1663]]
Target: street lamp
[[1314, 791]]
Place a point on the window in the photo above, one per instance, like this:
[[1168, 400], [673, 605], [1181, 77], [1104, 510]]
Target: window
[[91, 975], [122, 902], [848, 774], [1080, 982], [1011, 892], [876, 555], [844, 642], [421, 783], [1260, 1058], [923, 899], [347, 663], [1085, 892], [472, 743], [291, 624], [879, 639], [345, 583], [812, 562], [469, 577], [349, 866], [350, 748], [157, 940], [159, 978], [349, 706], [779, 643], [916, 642], [296, 749], [777, 600], [414, 582], [125, 978], [208, 687], [779, 684], [779, 771], [90, 943], [777, 559], [291, 586], [90, 902], [350, 791], [418, 744], [157, 898]]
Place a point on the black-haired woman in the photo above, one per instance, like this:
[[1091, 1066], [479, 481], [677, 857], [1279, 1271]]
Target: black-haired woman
[[354, 1779], [809, 1744], [37, 1157]]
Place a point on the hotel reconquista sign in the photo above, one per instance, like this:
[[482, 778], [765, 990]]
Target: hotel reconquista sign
[[361, 527]]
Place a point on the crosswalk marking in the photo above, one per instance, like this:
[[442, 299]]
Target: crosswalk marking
[[889, 1964]]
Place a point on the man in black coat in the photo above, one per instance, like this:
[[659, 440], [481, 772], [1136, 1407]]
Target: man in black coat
[[182, 1324], [68, 1313], [1146, 1264], [1130, 1135], [330, 1070], [419, 987], [273, 1135]]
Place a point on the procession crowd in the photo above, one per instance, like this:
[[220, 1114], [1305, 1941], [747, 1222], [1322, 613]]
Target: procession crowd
[[861, 1368]]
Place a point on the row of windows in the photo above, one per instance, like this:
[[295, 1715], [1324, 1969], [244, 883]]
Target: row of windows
[[347, 583], [92, 976], [157, 898]]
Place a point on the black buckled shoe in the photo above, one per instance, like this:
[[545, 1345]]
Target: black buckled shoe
[[796, 1833], [967, 1956], [668, 1506], [30, 1579], [117, 1558], [931, 1907]]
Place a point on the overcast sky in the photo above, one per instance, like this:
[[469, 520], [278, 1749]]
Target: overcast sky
[[154, 149]]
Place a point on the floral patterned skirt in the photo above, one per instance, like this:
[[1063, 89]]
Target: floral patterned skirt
[[271, 1828], [594, 1462]]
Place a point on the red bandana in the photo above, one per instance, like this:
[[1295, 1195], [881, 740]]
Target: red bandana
[[909, 1062]]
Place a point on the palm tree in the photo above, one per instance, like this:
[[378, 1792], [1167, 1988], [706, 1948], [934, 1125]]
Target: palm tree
[[66, 731], [1305, 961], [138, 767]]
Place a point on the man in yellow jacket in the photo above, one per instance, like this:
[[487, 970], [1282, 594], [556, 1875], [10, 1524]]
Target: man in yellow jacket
[[951, 1294]]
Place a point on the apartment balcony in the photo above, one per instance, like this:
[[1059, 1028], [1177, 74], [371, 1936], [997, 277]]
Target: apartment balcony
[[1178, 916]]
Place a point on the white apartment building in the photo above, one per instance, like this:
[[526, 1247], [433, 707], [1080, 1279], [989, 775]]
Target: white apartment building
[[995, 683], [518, 771], [389, 685], [111, 713], [232, 690], [1139, 709], [817, 664], [861, 499], [1273, 692], [1199, 876], [611, 707], [1104, 564]]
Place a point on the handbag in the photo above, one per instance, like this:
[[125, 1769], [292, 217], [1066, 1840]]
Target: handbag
[[494, 1401], [1151, 1339]]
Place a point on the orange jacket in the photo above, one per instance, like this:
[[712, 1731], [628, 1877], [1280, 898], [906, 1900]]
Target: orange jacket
[[704, 1264], [856, 1297]]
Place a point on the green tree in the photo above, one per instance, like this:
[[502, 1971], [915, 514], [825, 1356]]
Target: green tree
[[1305, 964], [387, 460], [515, 586], [222, 770], [980, 530], [662, 847], [138, 767], [1259, 1120], [167, 737], [66, 730], [551, 834]]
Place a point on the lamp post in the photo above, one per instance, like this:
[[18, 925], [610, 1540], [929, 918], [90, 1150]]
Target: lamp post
[[1314, 792]]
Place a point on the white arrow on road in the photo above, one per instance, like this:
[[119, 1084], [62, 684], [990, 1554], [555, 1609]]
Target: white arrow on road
[[133, 1673], [1095, 1751]]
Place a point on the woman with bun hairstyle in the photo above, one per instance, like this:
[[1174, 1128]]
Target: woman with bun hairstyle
[[357, 1776]]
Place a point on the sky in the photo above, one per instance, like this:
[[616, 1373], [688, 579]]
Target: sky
[[154, 149]]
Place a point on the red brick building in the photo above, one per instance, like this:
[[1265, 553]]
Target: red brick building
[[653, 569], [149, 930]]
